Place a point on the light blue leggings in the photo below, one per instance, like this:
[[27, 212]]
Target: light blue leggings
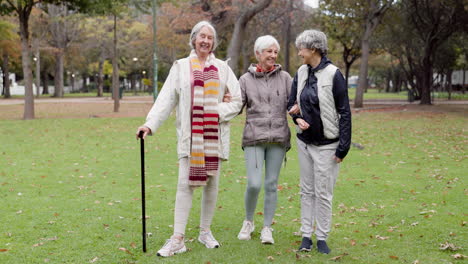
[[273, 155]]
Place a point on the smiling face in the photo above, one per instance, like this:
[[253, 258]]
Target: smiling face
[[307, 55], [204, 42], [267, 58]]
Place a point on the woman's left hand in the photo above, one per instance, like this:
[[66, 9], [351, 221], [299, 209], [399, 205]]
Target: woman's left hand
[[294, 110], [338, 160], [227, 97]]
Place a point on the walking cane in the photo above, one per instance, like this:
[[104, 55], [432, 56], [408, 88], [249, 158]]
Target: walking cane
[[143, 213]]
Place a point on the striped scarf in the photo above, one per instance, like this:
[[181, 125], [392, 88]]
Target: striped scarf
[[204, 152]]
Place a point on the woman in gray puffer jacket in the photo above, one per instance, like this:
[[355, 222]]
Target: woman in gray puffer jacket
[[265, 89]]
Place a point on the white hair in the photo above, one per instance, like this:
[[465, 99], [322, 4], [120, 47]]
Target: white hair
[[312, 39], [264, 42], [196, 29]]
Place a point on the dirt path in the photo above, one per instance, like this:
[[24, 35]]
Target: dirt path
[[138, 106], [81, 107]]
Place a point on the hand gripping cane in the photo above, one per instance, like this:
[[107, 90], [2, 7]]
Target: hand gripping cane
[[143, 213]]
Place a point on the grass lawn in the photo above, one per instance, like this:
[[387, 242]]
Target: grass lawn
[[70, 190]]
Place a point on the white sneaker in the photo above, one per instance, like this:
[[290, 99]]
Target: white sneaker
[[172, 246], [207, 239], [267, 236], [247, 228]]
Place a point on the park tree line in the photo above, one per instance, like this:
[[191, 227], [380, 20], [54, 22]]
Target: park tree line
[[399, 42]]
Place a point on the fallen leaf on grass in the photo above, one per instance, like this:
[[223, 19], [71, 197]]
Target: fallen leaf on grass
[[448, 246], [394, 257], [459, 256], [381, 237], [352, 242], [94, 260], [339, 257], [415, 262], [3, 249], [133, 245], [270, 258], [427, 212], [38, 244], [126, 251]]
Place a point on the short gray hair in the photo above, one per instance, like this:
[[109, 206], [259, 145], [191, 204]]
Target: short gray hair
[[312, 39], [264, 42], [196, 29]]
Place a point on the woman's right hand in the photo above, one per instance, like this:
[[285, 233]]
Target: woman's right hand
[[227, 97], [294, 110], [302, 124], [145, 130]]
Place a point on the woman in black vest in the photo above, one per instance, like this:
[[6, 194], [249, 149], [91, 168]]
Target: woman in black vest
[[319, 106]]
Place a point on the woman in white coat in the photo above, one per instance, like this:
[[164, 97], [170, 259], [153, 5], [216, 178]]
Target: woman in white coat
[[195, 87]]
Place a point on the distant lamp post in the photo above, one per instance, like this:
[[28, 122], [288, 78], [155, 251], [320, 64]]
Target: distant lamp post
[[134, 76], [34, 58], [72, 83], [142, 81], [155, 56]]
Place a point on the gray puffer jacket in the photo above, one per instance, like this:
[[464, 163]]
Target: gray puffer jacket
[[265, 96]]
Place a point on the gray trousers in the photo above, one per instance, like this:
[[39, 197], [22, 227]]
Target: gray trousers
[[273, 155], [319, 172], [184, 199]]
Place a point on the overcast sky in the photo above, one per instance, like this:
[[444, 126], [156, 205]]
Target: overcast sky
[[312, 3]]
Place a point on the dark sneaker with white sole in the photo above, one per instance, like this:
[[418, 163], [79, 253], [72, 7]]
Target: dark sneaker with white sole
[[322, 247], [306, 244]]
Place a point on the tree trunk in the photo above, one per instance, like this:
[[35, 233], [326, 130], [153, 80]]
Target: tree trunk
[[58, 79], [26, 64], [237, 38], [347, 68], [100, 81], [388, 79], [45, 82], [58, 29], [245, 61], [133, 83], [37, 55], [398, 84], [287, 37], [72, 82], [6, 76], [115, 71], [449, 84], [84, 87], [373, 18], [363, 68], [463, 81], [426, 82]]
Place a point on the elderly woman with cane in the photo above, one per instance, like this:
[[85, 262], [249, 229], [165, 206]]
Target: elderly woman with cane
[[196, 87], [265, 90], [319, 106]]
